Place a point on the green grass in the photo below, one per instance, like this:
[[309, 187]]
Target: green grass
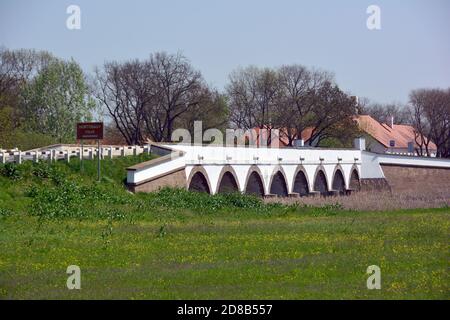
[[178, 245]]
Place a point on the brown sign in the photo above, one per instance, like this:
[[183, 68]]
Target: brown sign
[[90, 130]]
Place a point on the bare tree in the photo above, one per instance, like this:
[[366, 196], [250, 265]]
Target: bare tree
[[431, 120], [252, 96], [291, 99], [295, 105], [146, 98], [332, 111], [421, 126], [212, 111], [124, 90], [384, 112], [176, 89]]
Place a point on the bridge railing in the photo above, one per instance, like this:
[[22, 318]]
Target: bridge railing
[[67, 153]]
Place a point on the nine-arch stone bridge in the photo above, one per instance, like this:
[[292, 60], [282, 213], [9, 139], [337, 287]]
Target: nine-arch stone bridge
[[269, 171]]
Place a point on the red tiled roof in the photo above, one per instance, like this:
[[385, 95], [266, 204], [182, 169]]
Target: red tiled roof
[[383, 133]]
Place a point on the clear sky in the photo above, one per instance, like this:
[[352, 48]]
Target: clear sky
[[411, 50]]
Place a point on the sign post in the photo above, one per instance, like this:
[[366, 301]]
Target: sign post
[[98, 160], [82, 156], [90, 131]]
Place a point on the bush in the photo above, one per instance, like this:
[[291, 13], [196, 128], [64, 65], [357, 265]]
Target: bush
[[5, 212], [52, 202], [181, 198], [69, 199], [11, 170], [42, 170]]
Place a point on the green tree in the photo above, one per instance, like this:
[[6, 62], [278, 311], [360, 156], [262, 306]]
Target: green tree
[[56, 99]]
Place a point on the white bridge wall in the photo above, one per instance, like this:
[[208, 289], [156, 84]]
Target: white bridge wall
[[268, 171], [269, 161], [213, 159]]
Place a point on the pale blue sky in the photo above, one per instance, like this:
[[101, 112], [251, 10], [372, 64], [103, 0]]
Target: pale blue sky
[[412, 50]]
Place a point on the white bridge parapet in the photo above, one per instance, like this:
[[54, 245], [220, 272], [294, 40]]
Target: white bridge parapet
[[268, 171], [269, 162], [214, 161]]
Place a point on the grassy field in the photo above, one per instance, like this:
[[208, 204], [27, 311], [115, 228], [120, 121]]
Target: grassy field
[[179, 245]]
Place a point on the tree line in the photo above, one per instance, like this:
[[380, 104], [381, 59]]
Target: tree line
[[42, 97]]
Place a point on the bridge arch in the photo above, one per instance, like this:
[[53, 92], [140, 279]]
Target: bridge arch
[[198, 180], [254, 183], [278, 183], [339, 180], [354, 182], [320, 181], [228, 181], [300, 184]]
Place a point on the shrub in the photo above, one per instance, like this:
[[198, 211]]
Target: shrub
[[5, 212], [52, 202], [11, 170], [69, 199], [41, 170], [180, 198]]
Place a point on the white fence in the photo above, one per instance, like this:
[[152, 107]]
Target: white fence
[[65, 153]]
